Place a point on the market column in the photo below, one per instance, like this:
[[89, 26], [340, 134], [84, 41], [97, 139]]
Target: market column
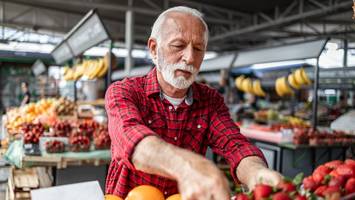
[[129, 37]]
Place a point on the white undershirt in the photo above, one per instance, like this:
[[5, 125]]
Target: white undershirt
[[174, 101]]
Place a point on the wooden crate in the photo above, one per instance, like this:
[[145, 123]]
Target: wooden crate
[[21, 182]]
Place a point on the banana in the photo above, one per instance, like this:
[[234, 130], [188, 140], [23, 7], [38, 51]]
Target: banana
[[247, 85], [305, 77], [278, 87], [257, 88], [69, 75], [292, 81], [286, 90], [238, 81], [103, 70], [95, 69]]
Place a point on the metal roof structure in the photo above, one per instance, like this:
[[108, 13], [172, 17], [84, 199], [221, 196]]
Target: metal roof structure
[[234, 25]]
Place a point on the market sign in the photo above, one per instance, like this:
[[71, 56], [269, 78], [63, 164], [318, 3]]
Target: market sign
[[89, 32], [62, 53], [38, 68]]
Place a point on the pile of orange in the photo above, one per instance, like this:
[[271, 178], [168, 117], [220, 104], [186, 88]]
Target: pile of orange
[[144, 192]]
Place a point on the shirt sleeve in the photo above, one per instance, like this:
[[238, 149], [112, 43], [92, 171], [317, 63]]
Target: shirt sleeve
[[225, 138], [125, 124]]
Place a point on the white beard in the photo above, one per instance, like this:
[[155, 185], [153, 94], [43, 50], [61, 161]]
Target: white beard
[[168, 73]]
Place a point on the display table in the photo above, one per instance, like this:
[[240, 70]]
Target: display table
[[68, 167], [290, 159]]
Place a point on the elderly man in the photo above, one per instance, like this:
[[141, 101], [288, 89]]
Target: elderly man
[[161, 124]]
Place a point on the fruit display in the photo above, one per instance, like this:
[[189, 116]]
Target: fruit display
[[102, 138], [247, 85], [28, 114], [318, 138], [90, 69], [64, 106], [62, 129], [55, 146], [79, 143], [32, 132], [332, 179]]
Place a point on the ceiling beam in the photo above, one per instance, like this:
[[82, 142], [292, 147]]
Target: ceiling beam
[[283, 21]]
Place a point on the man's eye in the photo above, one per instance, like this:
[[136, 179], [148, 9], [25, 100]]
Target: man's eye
[[177, 46]]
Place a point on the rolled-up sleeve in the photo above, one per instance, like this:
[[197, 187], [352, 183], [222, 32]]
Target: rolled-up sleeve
[[125, 124], [225, 138]]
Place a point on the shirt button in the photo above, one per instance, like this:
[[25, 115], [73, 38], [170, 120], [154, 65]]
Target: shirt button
[[170, 107], [149, 121], [166, 193], [198, 126], [175, 138]]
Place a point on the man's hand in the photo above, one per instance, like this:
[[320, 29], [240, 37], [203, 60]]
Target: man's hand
[[197, 177], [252, 170]]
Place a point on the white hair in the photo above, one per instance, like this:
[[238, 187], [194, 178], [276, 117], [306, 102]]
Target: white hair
[[156, 29]]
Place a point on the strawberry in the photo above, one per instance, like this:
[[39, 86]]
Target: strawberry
[[280, 196], [309, 183], [262, 191], [333, 164], [350, 162], [350, 186], [241, 196], [331, 190], [300, 197], [320, 190], [286, 186], [345, 170], [319, 173], [338, 181]]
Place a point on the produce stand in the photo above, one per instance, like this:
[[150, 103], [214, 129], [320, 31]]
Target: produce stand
[[281, 153]]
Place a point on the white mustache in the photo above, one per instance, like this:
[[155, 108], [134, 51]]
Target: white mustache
[[184, 67]]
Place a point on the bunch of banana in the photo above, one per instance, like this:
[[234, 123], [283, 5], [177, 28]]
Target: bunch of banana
[[292, 81], [68, 74], [257, 90], [301, 77], [96, 69], [281, 87], [238, 82], [247, 85]]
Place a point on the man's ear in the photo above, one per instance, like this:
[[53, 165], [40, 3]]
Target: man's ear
[[152, 45]]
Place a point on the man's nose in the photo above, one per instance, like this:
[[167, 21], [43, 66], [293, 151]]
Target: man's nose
[[188, 56]]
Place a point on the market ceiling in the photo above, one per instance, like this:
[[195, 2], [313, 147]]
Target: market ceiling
[[234, 25]]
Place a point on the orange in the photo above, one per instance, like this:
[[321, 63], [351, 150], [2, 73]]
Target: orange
[[145, 192], [112, 197], [174, 197]]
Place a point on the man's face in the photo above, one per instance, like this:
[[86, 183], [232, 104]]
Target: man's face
[[181, 49]]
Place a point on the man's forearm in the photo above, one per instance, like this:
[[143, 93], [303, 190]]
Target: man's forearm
[[155, 156]]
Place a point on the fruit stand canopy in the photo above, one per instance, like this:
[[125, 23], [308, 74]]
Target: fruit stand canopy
[[297, 51]]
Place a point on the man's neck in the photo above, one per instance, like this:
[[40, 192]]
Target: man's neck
[[169, 89]]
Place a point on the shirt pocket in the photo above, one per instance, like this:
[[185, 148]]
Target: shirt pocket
[[195, 134], [155, 122]]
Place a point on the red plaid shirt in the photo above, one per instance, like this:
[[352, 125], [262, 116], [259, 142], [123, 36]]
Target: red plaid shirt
[[136, 108]]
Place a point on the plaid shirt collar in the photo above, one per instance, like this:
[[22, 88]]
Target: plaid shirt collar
[[152, 87]]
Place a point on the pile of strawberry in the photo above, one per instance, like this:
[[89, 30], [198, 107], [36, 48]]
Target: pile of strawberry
[[335, 178], [287, 190], [330, 181], [62, 129]]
